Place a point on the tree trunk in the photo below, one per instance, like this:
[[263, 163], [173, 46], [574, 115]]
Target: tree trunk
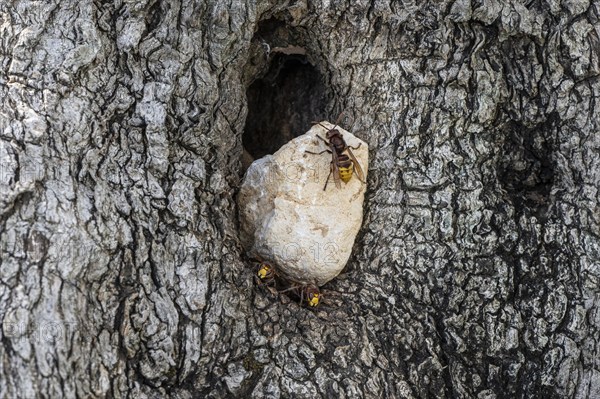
[[477, 269]]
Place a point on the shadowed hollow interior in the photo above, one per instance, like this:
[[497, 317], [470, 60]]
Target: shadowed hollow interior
[[282, 104]]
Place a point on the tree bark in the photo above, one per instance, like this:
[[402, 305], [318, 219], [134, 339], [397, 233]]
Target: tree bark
[[477, 269]]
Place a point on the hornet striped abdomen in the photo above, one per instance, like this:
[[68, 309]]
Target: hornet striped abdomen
[[345, 167]]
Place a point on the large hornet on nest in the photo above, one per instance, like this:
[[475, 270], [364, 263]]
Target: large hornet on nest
[[307, 294], [266, 276], [342, 165]]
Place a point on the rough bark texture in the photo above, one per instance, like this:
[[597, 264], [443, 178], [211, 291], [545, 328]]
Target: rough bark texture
[[476, 272]]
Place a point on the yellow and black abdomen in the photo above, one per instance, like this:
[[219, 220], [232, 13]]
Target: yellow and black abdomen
[[346, 168]]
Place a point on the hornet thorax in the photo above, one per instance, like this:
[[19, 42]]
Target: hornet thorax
[[337, 141]]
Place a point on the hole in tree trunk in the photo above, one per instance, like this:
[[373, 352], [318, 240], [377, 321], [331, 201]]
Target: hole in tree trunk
[[285, 91], [282, 104], [526, 169]]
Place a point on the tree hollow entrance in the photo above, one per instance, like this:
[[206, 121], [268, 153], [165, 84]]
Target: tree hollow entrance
[[282, 104]]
